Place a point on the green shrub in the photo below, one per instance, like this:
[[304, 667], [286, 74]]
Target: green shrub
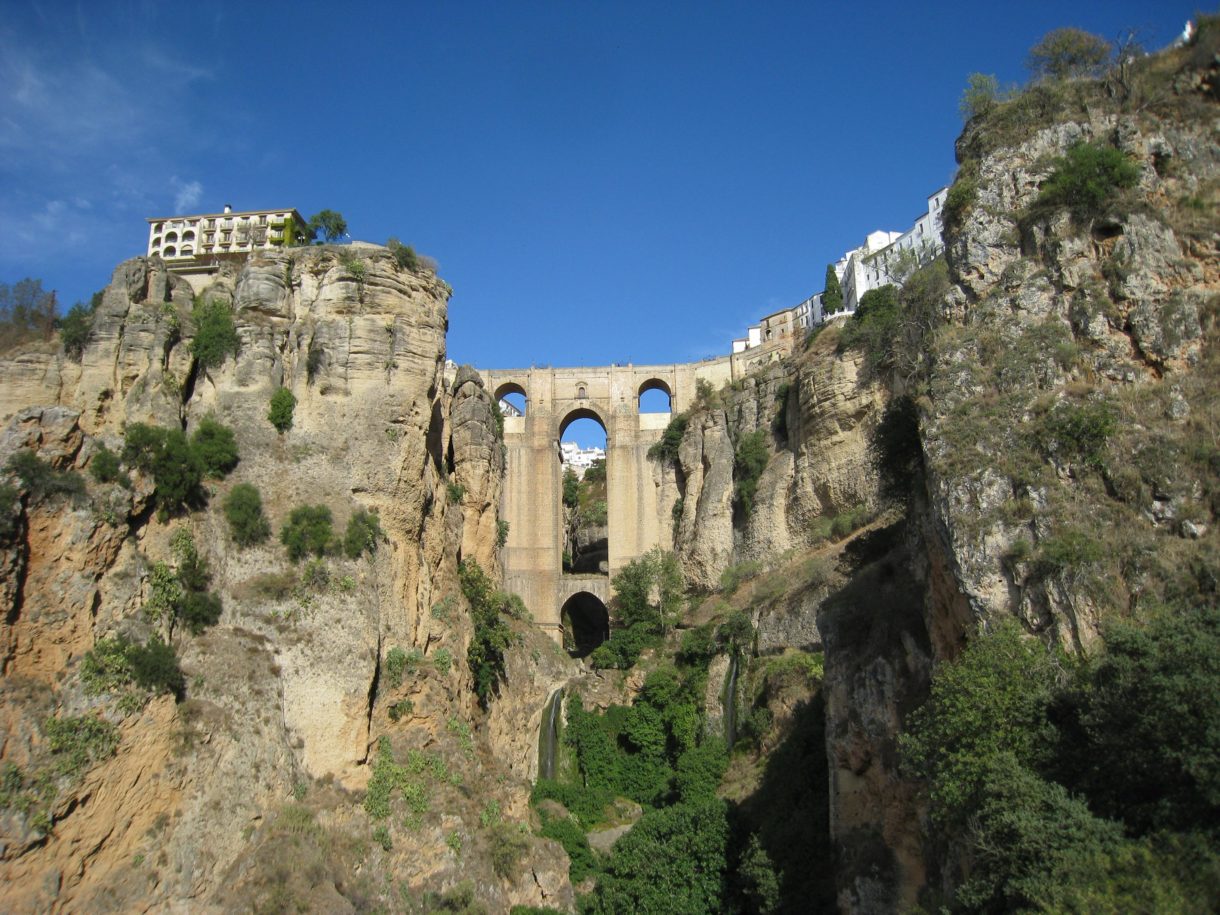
[[42, 480], [732, 577], [672, 860], [1087, 180], [1077, 431], [571, 488], [596, 472], [115, 663], [363, 532], [501, 533], [875, 327], [176, 468], [655, 573], [700, 769], [508, 846], [215, 448], [381, 835], [404, 255], [401, 709], [960, 200], [992, 700], [395, 665], [736, 632], [76, 743], [9, 500], [567, 832], [1147, 709], [749, 461], [455, 491], [1067, 550], [586, 803], [666, 449], [1068, 53], [307, 531], [698, 645], [180, 594], [848, 521], [215, 333], [106, 467], [75, 329], [199, 610], [624, 647], [492, 635], [283, 403], [980, 95], [243, 510], [442, 660]]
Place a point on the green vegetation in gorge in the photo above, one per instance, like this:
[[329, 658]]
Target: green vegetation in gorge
[[307, 531], [1086, 181], [215, 333], [243, 509], [116, 663], [41, 479], [179, 465], [362, 534], [641, 620], [666, 448], [283, 403], [180, 594], [1086, 786], [750, 459], [492, 634]]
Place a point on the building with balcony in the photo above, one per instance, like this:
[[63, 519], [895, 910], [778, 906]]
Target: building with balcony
[[210, 237]]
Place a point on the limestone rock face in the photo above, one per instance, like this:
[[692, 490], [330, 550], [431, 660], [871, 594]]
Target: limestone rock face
[[477, 455], [288, 695], [817, 412], [1115, 305]]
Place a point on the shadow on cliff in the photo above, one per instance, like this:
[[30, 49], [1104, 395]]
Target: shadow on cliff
[[790, 813]]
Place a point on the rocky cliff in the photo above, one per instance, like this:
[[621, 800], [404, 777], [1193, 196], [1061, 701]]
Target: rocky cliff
[[1036, 426], [1027, 436], [284, 701]]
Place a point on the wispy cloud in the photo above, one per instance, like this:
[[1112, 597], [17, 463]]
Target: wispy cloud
[[189, 194], [86, 149]]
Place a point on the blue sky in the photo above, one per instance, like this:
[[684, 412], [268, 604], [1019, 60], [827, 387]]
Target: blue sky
[[600, 182]]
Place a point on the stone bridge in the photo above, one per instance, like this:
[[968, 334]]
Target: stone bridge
[[639, 508]]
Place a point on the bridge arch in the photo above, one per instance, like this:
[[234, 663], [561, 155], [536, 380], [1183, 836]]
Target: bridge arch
[[586, 622], [664, 397], [582, 412], [511, 389]]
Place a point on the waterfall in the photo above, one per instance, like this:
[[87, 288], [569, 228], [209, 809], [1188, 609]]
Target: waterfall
[[730, 702], [548, 736]]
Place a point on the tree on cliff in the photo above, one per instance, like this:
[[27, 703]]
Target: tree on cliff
[[1068, 53], [832, 298], [27, 312], [329, 223]]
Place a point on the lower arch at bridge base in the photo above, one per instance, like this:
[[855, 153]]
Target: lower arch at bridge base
[[586, 623]]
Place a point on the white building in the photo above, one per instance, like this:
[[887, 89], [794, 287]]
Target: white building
[[891, 257], [212, 235], [884, 258], [579, 459]]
